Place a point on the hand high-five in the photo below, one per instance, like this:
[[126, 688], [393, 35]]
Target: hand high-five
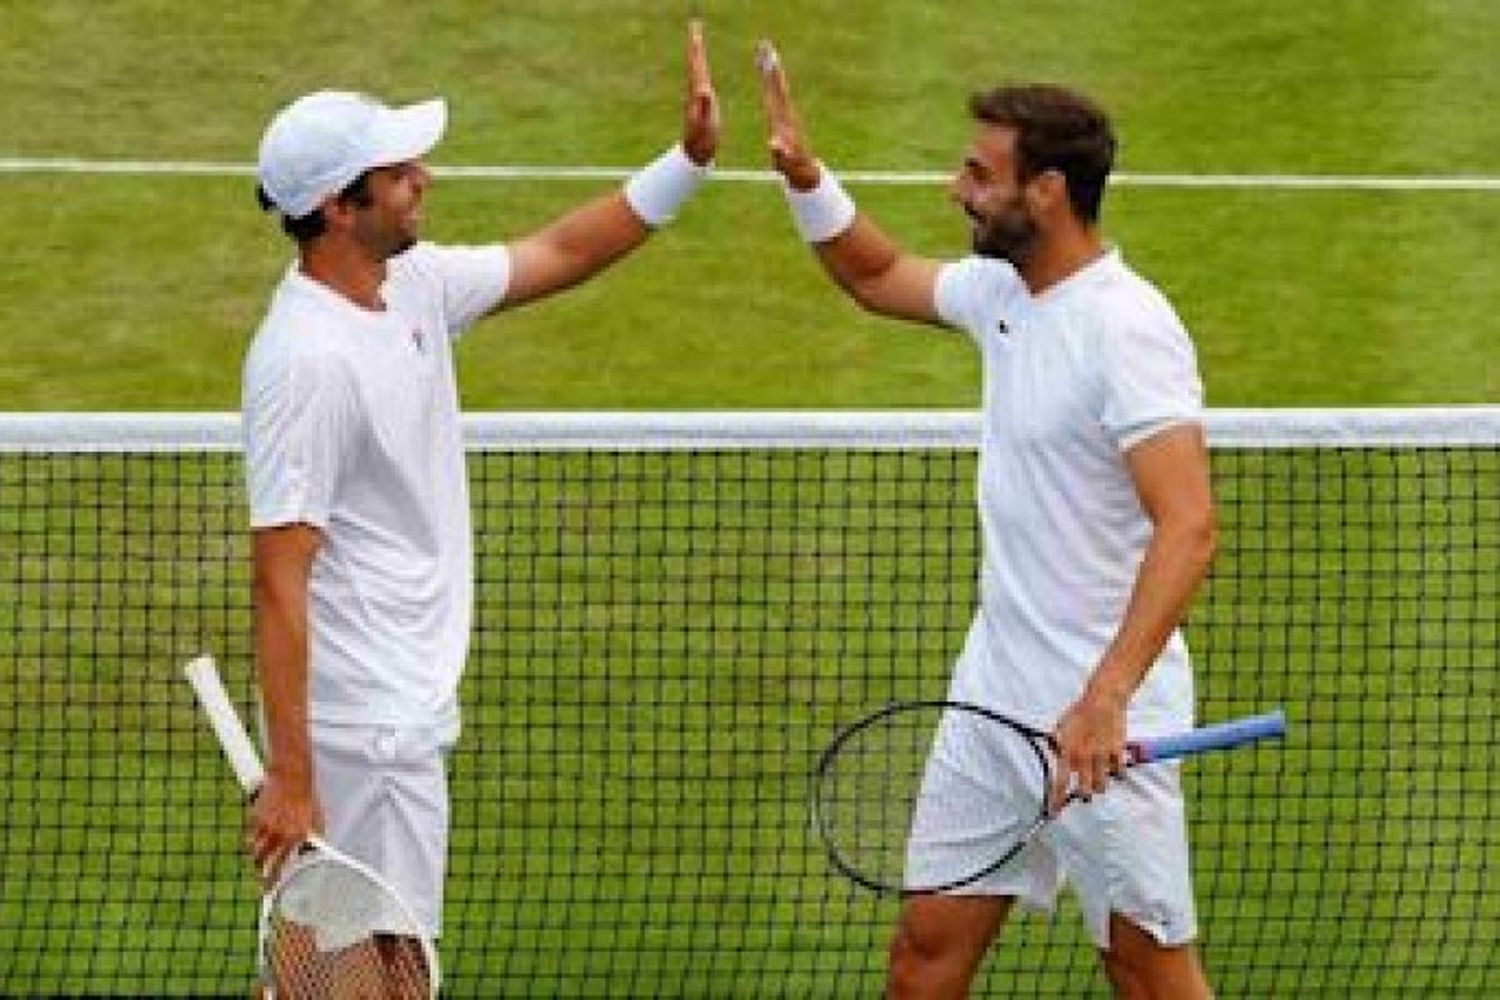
[[700, 128], [789, 151]]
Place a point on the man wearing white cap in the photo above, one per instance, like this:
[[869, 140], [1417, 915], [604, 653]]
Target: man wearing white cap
[[355, 468]]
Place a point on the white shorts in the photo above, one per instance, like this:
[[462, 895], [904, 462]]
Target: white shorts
[[384, 793], [1125, 852]]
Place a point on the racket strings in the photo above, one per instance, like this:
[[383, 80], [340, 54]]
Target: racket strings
[[924, 797], [375, 968], [333, 932], [869, 793]]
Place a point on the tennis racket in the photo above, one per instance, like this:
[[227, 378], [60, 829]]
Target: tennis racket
[[973, 798], [330, 926]]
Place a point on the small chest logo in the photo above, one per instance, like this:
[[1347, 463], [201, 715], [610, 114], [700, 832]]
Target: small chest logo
[[418, 340]]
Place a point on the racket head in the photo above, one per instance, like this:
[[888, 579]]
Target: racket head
[[926, 797], [332, 927]]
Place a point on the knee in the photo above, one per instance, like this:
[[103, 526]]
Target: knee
[[939, 942], [1125, 979], [910, 952], [925, 963], [1139, 967]]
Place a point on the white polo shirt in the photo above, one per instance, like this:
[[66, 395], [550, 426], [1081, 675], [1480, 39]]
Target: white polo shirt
[[351, 424], [1073, 377]]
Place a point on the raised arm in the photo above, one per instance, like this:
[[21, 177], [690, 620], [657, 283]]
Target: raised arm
[[588, 239], [858, 255]]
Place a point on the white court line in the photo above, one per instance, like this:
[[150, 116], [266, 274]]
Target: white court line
[[1303, 182]]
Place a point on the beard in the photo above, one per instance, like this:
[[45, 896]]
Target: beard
[[1009, 235], [385, 237], [387, 244]]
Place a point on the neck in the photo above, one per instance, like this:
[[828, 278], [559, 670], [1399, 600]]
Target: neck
[[1061, 254], [346, 270]]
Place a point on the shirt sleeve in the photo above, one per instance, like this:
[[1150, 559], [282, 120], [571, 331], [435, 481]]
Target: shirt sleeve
[[975, 293], [473, 280], [300, 426], [1150, 376]]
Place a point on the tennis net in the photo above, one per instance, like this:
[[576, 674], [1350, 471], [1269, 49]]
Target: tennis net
[[674, 613]]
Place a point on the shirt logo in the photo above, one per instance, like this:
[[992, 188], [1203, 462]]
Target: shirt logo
[[418, 341]]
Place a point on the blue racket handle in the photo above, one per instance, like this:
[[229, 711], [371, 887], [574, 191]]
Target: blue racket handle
[[1217, 737]]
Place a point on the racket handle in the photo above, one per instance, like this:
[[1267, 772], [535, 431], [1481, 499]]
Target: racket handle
[[1222, 736], [204, 676]]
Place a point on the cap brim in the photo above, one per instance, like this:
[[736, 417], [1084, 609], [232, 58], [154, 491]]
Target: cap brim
[[410, 132]]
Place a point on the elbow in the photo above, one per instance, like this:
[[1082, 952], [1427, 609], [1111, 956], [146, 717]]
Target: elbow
[[269, 581], [864, 284], [266, 592], [868, 296], [1192, 541], [1202, 537], [268, 596], [857, 290], [866, 302]]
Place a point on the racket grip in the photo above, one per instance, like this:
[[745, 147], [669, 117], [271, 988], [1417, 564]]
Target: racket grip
[[1222, 736], [204, 676]]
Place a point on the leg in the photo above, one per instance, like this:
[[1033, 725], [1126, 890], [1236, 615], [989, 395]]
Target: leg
[[298, 971], [970, 796], [407, 975], [1141, 968], [1127, 853], [939, 942], [385, 803]]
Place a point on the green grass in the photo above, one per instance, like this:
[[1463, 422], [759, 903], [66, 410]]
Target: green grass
[[664, 642], [1295, 298], [628, 668], [142, 292]]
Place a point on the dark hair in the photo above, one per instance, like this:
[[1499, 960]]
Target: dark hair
[[1057, 129], [312, 225]]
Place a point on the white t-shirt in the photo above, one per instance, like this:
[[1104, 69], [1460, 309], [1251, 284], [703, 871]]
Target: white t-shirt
[[351, 424], [1073, 377]]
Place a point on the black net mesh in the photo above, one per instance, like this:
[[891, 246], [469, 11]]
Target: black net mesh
[[663, 643]]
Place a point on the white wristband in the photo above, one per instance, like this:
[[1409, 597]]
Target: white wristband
[[657, 190], [822, 213]]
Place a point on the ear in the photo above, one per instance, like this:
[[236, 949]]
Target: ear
[[1047, 193], [338, 213]]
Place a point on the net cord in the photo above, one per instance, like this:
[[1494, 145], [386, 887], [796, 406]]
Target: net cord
[[876, 430]]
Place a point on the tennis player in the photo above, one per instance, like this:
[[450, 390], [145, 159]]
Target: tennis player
[[355, 468], [1097, 521]]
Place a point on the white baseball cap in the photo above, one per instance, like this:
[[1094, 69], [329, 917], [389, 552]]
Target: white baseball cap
[[317, 145]]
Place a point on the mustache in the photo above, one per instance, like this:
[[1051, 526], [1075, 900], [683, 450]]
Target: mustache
[[1004, 236]]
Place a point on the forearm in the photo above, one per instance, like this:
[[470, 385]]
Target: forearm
[[851, 247], [281, 656], [857, 254], [592, 237], [862, 260], [873, 270], [286, 809], [1175, 563]]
